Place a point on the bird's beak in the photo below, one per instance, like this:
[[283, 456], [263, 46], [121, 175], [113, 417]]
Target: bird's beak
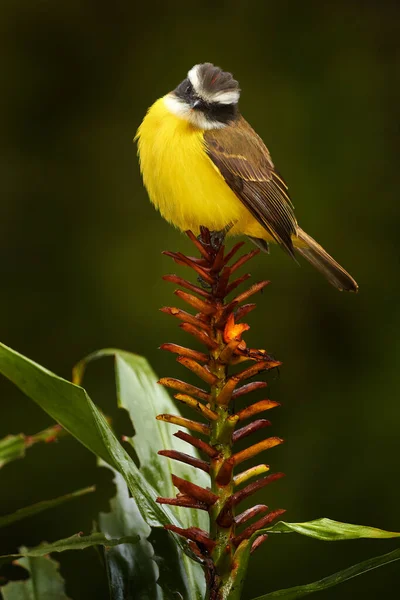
[[196, 104]]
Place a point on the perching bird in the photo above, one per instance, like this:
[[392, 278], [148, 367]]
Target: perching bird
[[203, 164]]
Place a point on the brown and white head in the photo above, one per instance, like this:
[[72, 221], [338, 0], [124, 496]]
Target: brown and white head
[[208, 97]]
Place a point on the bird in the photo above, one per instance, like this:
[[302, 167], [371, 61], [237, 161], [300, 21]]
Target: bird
[[203, 165]]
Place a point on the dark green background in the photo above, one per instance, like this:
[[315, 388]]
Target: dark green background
[[81, 246]]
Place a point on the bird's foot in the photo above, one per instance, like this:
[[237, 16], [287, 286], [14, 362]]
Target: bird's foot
[[217, 238], [213, 244], [214, 239]]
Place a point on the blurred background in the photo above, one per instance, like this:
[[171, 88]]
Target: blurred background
[[81, 261]]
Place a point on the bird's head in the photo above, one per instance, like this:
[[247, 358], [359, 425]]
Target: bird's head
[[208, 97]]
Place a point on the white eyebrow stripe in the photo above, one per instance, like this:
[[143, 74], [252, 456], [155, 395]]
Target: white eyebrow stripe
[[193, 76], [229, 97], [183, 111]]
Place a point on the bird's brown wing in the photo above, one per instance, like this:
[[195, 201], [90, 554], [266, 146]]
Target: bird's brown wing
[[245, 163]]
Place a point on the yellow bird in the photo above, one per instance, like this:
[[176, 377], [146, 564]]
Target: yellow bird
[[203, 164]]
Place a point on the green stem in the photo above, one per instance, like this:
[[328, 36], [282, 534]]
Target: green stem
[[221, 438], [52, 433]]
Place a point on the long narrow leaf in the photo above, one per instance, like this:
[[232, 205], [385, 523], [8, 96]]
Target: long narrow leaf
[[72, 408], [34, 509], [143, 398], [13, 447], [139, 393], [75, 542], [327, 582], [328, 530]]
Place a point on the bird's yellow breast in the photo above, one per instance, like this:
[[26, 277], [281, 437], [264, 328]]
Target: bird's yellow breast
[[182, 181]]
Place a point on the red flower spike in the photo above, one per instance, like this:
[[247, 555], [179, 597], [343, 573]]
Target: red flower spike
[[248, 514], [186, 458], [225, 395], [221, 288], [203, 306], [199, 444], [244, 259], [177, 257], [244, 310], [247, 453], [193, 263], [255, 409], [183, 422], [182, 315], [186, 388], [200, 247], [237, 282], [187, 285], [195, 534], [249, 387], [216, 325], [250, 474], [202, 336], [263, 522], [225, 473], [197, 369], [257, 287], [259, 367], [257, 542], [194, 491], [227, 353], [197, 406], [183, 501], [232, 331], [187, 352], [232, 252], [219, 263], [243, 432], [225, 516]]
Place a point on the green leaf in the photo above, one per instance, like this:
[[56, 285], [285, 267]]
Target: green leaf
[[328, 530], [143, 398], [153, 568], [321, 529], [132, 573], [72, 408], [45, 582], [39, 507], [173, 577], [323, 584], [12, 447], [75, 542]]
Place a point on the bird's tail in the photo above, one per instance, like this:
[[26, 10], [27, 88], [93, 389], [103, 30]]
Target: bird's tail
[[322, 261]]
